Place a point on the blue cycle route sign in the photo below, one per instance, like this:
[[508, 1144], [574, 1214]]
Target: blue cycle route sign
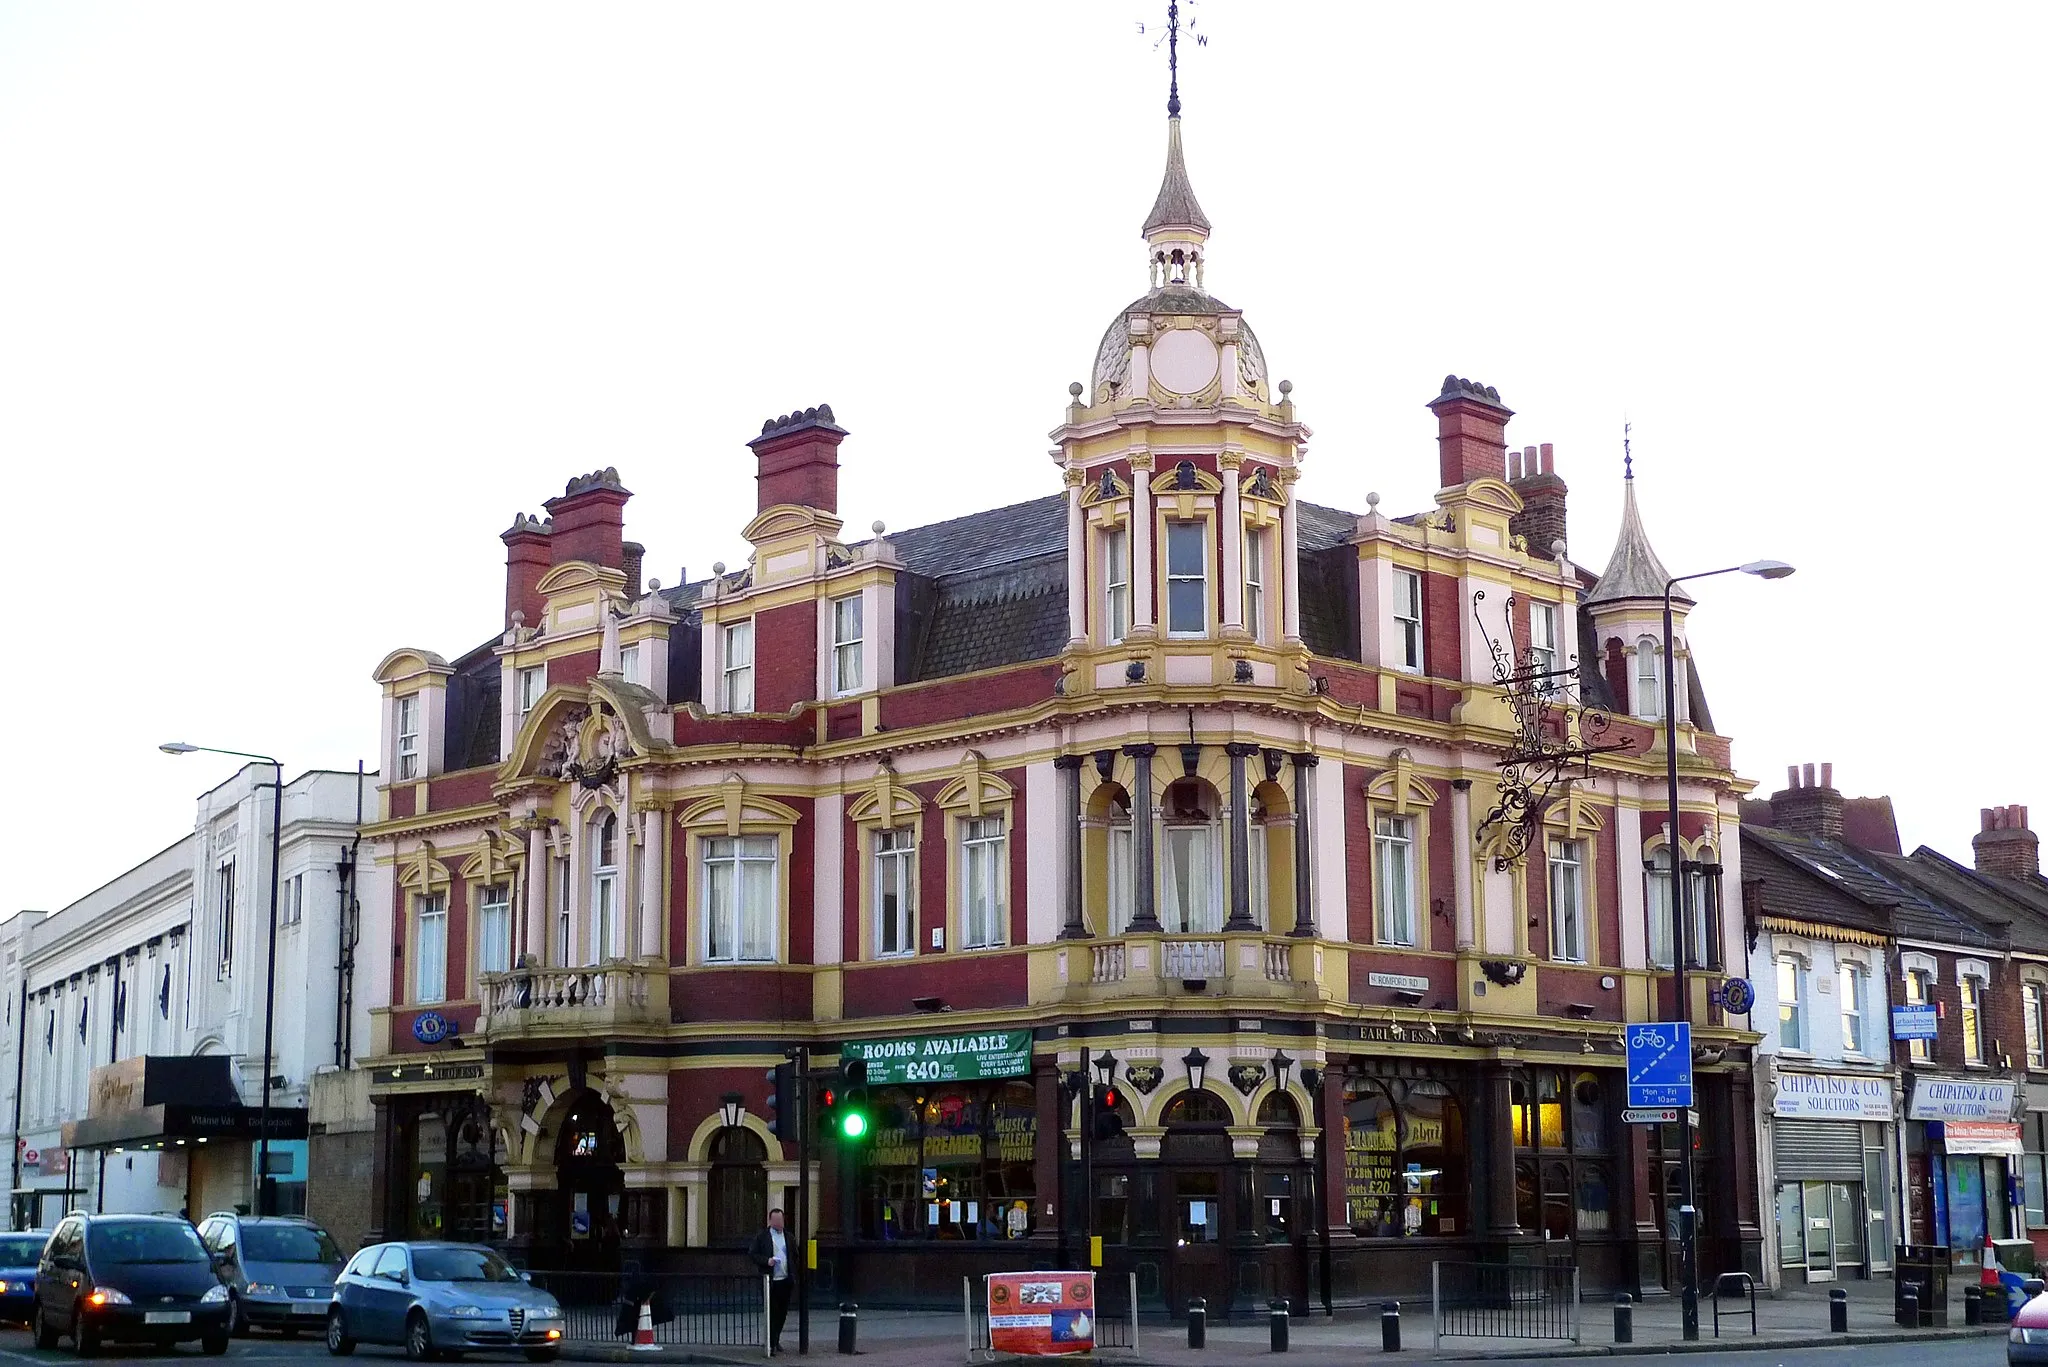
[[1659, 1064]]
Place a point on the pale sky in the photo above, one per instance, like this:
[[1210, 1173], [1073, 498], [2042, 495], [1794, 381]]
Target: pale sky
[[300, 303]]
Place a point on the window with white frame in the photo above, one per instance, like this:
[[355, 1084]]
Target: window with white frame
[[1393, 856], [1852, 985], [981, 882], [292, 904], [409, 737], [847, 635], [1657, 911], [736, 680], [430, 948], [1919, 991], [1187, 578], [895, 892], [2031, 1001], [1970, 990], [629, 663], [1649, 680], [532, 682], [1408, 620], [1543, 645], [1791, 1005], [1258, 865], [1568, 901], [739, 899], [1192, 900], [224, 921], [494, 930], [1255, 582], [565, 944], [1122, 869], [1116, 585], [607, 921]]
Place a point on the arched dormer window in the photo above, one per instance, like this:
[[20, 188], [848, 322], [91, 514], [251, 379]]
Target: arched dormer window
[[607, 924], [1649, 679]]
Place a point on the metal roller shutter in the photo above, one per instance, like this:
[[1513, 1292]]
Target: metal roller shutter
[[1818, 1150]]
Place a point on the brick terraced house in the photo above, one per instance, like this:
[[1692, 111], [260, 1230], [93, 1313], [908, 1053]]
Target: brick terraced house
[[1170, 773]]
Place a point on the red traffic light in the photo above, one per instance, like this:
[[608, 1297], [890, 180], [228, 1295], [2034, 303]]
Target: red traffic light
[[1109, 1097], [825, 1097]]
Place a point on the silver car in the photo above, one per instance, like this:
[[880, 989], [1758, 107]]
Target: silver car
[[434, 1298]]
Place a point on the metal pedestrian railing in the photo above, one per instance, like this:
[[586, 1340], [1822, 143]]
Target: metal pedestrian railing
[[719, 1311], [1501, 1301]]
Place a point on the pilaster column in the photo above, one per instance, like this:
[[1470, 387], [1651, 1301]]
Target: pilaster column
[[1233, 542], [534, 913], [1142, 615], [1304, 846], [1077, 561], [1069, 767], [1461, 863], [1500, 1152], [1290, 561], [1240, 839], [1144, 904]]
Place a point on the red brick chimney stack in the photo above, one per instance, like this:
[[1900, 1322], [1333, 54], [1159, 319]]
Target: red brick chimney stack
[[2005, 847], [798, 460], [1541, 521], [1806, 807], [590, 520], [527, 558], [1471, 432], [632, 556]]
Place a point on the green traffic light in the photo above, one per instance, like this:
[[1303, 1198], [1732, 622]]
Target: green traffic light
[[853, 1124]]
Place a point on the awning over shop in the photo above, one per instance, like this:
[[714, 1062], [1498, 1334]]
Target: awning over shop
[[159, 1099], [1977, 1136]]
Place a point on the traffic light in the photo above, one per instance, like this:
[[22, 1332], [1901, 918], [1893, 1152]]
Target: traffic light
[[854, 1116], [781, 1107], [1103, 1113]]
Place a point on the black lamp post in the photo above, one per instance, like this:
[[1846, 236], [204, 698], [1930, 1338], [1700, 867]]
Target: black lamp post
[[1681, 949], [177, 747]]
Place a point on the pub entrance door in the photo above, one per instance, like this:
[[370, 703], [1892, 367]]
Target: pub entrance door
[[1199, 1182]]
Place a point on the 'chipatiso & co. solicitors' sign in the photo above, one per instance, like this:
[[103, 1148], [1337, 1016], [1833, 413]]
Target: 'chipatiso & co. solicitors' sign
[[1832, 1096], [944, 1058], [1937, 1098]]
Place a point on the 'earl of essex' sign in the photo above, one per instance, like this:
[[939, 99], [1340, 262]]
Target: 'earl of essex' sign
[[943, 1058]]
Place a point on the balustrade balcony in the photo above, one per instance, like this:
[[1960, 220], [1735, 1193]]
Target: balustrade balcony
[[1138, 965], [548, 1001]]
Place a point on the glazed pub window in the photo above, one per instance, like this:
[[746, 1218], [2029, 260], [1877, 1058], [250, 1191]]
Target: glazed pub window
[[1852, 988], [1970, 992], [952, 1163], [2031, 1002], [430, 948], [1408, 619], [1568, 901], [1393, 857], [224, 921], [895, 895], [1187, 578], [736, 674], [1564, 1172], [1116, 585], [982, 868], [494, 930], [1405, 1169], [409, 737], [1919, 991], [1255, 582], [739, 899], [532, 683], [847, 638], [1121, 869]]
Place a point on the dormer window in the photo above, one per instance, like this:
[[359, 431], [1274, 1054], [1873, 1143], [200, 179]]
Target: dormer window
[[1255, 582], [846, 645], [1187, 579], [1116, 585], [736, 680], [1408, 620], [1649, 680], [409, 737], [532, 683]]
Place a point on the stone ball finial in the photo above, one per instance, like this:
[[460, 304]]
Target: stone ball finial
[[878, 527], [1286, 387], [1074, 389], [1372, 501], [518, 618], [654, 586], [718, 567], [1557, 547]]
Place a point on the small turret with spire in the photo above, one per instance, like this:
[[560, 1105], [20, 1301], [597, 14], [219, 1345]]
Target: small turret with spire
[[1176, 231]]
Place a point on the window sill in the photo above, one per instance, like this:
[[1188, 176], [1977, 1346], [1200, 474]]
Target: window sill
[[1564, 962]]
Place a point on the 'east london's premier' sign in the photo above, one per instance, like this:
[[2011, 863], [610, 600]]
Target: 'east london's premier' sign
[[944, 1058]]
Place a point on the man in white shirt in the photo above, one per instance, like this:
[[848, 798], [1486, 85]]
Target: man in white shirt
[[770, 1251]]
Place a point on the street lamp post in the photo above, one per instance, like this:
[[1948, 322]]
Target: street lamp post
[[178, 747], [1681, 949]]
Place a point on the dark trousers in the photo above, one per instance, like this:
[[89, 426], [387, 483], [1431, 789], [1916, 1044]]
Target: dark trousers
[[778, 1309]]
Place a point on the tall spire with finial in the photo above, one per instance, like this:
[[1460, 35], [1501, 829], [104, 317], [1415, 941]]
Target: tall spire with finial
[[1176, 231], [1634, 570]]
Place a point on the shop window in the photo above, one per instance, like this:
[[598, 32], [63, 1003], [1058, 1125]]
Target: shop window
[[957, 1163], [1405, 1171], [1562, 1185]]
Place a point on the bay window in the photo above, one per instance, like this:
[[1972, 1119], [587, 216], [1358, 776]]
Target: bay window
[[1393, 857], [1192, 904], [606, 923], [1187, 578], [1121, 869], [981, 882], [739, 899], [895, 894]]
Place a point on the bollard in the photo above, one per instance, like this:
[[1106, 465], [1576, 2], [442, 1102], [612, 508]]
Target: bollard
[[1278, 1312], [1624, 1319], [1390, 1327], [1838, 1311], [1973, 1305], [1909, 1305], [849, 1326], [1198, 1323]]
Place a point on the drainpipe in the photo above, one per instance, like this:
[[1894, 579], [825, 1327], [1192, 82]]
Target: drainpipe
[[346, 936], [20, 1073]]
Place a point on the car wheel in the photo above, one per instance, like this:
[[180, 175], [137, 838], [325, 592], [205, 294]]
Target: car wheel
[[338, 1341], [84, 1338], [214, 1344], [419, 1340], [45, 1336], [238, 1323]]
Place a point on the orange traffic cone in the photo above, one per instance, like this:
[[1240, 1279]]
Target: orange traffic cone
[[643, 1336]]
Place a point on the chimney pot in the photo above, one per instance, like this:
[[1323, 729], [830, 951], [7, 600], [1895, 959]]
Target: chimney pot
[[1546, 459], [1791, 776], [797, 460], [1813, 810], [2005, 847], [1827, 775], [1806, 774], [1471, 432]]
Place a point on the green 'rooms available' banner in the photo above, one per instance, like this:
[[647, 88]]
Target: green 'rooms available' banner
[[944, 1058]]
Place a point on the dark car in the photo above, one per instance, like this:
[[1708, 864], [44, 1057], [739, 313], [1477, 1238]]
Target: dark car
[[19, 1254], [279, 1269], [127, 1279], [435, 1298]]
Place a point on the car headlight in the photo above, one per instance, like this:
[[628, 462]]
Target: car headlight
[[107, 1295], [2019, 1335], [214, 1295], [466, 1312], [545, 1312], [6, 1286], [263, 1289]]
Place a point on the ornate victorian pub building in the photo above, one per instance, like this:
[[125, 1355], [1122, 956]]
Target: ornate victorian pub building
[[1168, 773]]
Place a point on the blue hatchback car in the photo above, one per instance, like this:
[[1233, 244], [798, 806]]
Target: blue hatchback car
[[19, 1254]]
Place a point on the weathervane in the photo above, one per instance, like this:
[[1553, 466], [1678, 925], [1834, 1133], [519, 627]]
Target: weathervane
[[1628, 461], [1172, 41]]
